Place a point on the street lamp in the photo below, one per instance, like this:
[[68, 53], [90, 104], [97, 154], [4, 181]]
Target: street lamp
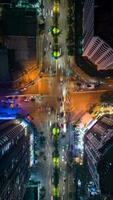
[[55, 131]]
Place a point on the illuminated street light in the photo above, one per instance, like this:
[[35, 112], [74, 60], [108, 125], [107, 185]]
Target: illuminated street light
[[55, 131], [55, 31], [56, 191], [56, 161], [56, 8], [56, 54]]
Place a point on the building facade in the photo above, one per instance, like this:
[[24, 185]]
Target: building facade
[[97, 42], [14, 159], [98, 146], [88, 22]]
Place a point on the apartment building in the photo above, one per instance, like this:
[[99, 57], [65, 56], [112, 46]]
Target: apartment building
[[14, 159], [18, 35], [97, 33], [98, 147]]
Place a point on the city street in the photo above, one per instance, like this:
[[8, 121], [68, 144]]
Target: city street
[[53, 96]]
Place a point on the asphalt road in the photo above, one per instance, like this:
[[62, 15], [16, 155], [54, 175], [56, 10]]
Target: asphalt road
[[51, 86], [43, 119]]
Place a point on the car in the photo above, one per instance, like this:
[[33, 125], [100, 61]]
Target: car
[[32, 99], [79, 183], [49, 111], [23, 89], [26, 99], [29, 117], [61, 114], [74, 180], [58, 116], [102, 82], [51, 13], [44, 157], [36, 161], [32, 82], [63, 148], [16, 91], [63, 190], [50, 45], [64, 179], [41, 75], [15, 97], [91, 86], [51, 197], [62, 158], [63, 136]]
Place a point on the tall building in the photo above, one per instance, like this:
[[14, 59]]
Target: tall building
[[8, 3], [4, 71], [18, 36], [14, 159], [98, 146], [97, 33]]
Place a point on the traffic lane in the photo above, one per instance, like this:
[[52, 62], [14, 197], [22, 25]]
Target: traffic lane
[[73, 105], [62, 182], [40, 50], [49, 149], [45, 103], [85, 100], [41, 117], [47, 178], [45, 86], [48, 6], [52, 92], [49, 170], [75, 109], [34, 109], [65, 183], [48, 162], [62, 35], [47, 109], [49, 61], [63, 165]]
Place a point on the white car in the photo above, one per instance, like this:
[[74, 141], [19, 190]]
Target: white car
[[23, 89], [49, 110], [90, 86], [63, 149], [50, 45], [51, 13], [63, 158], [26, 99]]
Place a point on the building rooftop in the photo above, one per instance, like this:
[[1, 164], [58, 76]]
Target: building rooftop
[[103, 13], [19, 22], [100, 135]]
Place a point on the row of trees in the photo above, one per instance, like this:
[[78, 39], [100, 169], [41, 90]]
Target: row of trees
[[55, 30], [70, 35], [55, 156]]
